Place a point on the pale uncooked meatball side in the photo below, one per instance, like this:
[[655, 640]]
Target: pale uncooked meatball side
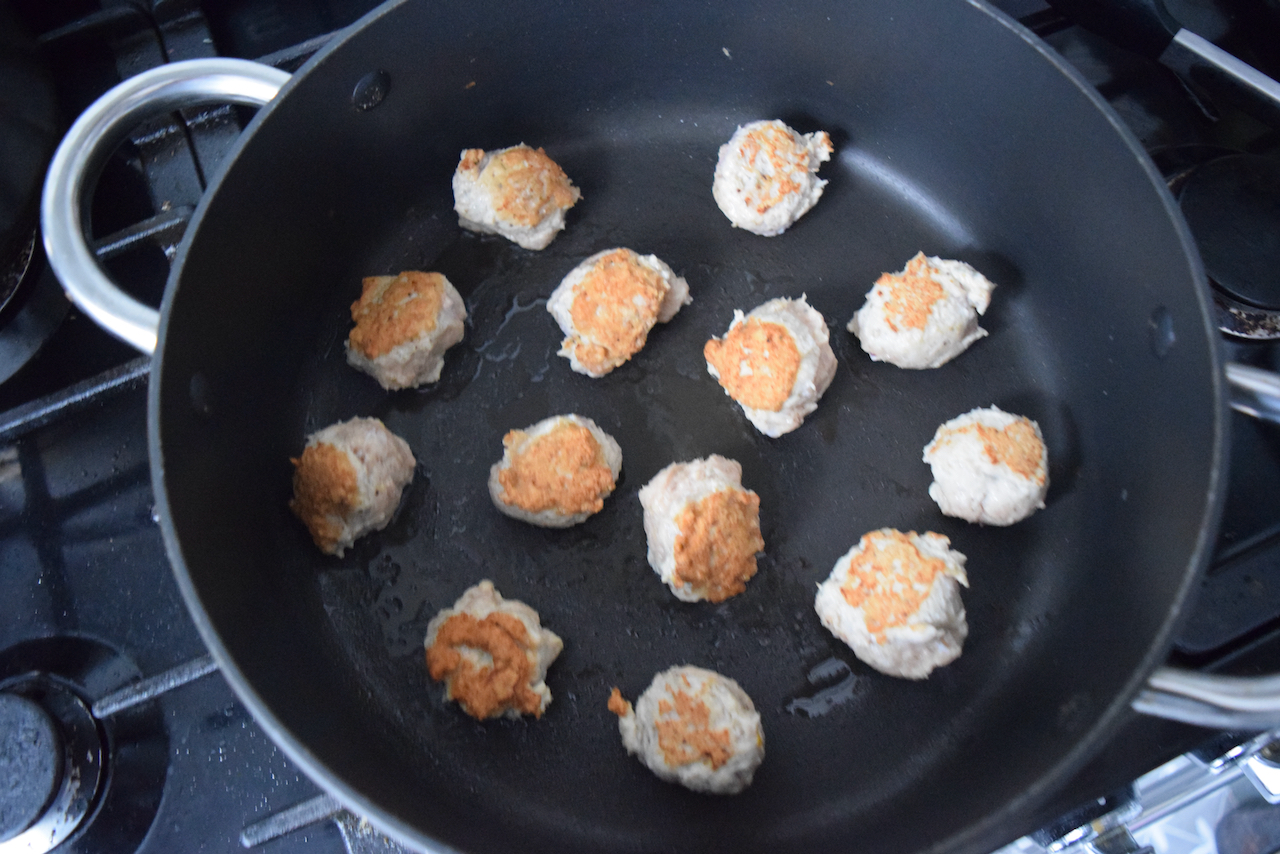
[[370, 466], [677, 288], [539, 649], [930, 341], [733, 731], [930, 637], [766, 176], [552, 517], [989, 466]]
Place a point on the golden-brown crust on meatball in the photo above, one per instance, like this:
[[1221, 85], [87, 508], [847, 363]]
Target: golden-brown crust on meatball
[[684, 731], [485, 692], [889, 579], [1016, 445], [613, 309], [393, 310], [910, 295], [324, 488], [564, 470], [770, 357], [525, 185], [716, 548]]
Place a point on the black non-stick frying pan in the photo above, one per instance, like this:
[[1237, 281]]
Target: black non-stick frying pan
[[956, 132]]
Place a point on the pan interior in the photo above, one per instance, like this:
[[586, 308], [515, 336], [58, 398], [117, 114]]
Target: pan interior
[[1064, 609]]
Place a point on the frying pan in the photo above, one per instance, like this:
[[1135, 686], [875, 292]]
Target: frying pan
[[956, 132]]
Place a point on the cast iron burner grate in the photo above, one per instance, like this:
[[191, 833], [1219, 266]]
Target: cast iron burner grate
[[74, 774]]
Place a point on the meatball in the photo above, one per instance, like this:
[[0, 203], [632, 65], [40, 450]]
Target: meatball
[[766, 176], [492, 655], [693, 727], [403, 326], [775, 362], [989, 467], [518, 192], [703, 528], [348, 481], [894, 598], [556, 473], [924, 316], [607, 305]]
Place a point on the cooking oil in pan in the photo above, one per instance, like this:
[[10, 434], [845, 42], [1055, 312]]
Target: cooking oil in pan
[[831, 683]]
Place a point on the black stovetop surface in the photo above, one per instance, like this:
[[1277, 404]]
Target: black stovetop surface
[[88, 589]]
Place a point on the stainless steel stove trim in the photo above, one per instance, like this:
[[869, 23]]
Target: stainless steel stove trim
[[1185, 788], [1264, 772]]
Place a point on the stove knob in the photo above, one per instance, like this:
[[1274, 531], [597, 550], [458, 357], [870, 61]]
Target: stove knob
[[31, 763]]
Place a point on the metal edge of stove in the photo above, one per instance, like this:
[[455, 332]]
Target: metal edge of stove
[[1180, 805]]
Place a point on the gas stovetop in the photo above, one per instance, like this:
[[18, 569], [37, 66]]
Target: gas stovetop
[[97, 650]]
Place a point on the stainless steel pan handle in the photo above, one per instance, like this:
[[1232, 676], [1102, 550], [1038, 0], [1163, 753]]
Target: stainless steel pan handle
[[1211, 699], [79, 160], [1255, 392]]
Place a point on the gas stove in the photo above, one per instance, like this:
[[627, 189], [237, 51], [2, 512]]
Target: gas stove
[[126, 736]]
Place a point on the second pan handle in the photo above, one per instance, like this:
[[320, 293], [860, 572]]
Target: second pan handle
[[1211, 699]]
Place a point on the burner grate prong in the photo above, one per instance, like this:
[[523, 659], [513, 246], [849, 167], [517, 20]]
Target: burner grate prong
[[153, 686], [288, 820]]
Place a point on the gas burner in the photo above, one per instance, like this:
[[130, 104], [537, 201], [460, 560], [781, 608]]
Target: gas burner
[[1245, 321], [1231, 201], [30, 754], [53, 756], [70, 778], [1232, 204], [15, 270], [32, 307]]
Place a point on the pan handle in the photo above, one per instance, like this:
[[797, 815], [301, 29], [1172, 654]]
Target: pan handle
[[86, 147], [1254, 392], [1211, 699]]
